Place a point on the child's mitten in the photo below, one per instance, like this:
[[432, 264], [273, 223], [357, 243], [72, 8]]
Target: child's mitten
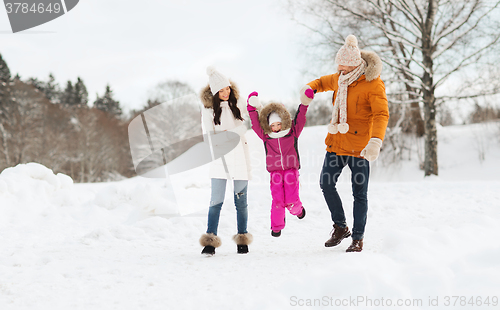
[[306, 95], [253, 100]]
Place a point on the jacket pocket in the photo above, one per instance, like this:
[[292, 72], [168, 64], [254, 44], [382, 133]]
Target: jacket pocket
[[357, 137], [352, 104]]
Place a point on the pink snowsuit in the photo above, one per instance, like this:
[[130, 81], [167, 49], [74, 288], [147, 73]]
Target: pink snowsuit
[[282, 161]]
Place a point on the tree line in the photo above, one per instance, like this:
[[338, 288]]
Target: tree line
[[42, 122], [56, 126]]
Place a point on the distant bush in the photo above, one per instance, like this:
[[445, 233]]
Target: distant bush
[[482, 114]]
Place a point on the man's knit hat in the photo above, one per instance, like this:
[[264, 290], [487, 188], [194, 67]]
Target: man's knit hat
[[273, 118], [349, 54], [216, 80]]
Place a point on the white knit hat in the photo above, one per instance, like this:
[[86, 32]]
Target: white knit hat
[[216, 80], [273, 118], [349, 54]]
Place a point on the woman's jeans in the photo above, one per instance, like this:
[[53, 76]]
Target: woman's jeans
[[360, 171], [240, 201]]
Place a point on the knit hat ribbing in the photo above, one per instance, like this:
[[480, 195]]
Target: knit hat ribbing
[[349, 54], [216, 80], [273, 118]]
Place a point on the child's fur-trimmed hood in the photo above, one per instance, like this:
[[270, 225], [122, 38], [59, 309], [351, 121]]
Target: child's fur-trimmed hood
[[286, 119]]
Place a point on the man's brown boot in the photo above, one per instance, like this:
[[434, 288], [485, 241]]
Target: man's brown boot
[[338, 235], [356, 246]]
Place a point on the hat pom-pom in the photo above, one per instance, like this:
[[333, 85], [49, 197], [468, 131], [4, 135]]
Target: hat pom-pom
[[351, 40], [332, 128], [343, 128], [210, 70]]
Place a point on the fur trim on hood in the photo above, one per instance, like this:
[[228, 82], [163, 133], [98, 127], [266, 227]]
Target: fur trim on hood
[[243, 239], [207, 97], [286, 118], [373, 65]]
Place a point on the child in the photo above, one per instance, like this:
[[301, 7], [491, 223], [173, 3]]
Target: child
[[275, 127]]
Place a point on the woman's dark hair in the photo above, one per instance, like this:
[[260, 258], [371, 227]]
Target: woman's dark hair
[[232, 105]]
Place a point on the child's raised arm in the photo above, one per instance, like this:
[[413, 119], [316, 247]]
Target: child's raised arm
[[253, 104], [306, 96]]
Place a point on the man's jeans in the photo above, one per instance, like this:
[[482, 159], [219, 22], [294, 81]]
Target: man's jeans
[[240, 201], [360, 169]]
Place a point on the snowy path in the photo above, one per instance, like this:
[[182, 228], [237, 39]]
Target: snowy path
[[94, 246]]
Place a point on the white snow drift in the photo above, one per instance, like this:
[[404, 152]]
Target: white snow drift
[[121, 246]]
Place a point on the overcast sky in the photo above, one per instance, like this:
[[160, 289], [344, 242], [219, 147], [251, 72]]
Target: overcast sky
[[133, 45]]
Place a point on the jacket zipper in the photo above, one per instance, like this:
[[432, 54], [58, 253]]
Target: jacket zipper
[[281, 154]]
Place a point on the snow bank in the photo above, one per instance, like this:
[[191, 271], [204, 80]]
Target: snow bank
[[103, 246], [31, 192], [33, 197], [35, 181], [465, 152]]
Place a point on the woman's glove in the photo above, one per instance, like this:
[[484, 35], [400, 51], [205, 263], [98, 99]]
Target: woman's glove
[[253, 100], [306, 95], [372, 149]]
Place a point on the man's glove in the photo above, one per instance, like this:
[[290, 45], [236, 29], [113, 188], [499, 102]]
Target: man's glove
[[372, 149]]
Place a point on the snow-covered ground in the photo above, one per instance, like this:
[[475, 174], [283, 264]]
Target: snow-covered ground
[[120, 245]]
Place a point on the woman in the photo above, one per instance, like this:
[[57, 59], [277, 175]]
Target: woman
[[222, 113]]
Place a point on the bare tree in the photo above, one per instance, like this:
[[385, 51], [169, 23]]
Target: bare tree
[[423, 43], [173, 120], [169, 90], [22, 123], [33, 129], [97, 146], [53, 138]]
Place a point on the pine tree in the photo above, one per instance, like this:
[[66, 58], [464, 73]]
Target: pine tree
[[52, 90], [5, 92], [107, 103], [4, 70], [68, 96], [80, 93], [35, 82]]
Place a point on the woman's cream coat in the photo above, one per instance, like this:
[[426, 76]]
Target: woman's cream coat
[[237, 160]]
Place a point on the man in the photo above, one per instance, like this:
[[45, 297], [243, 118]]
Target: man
[[355, 134]]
